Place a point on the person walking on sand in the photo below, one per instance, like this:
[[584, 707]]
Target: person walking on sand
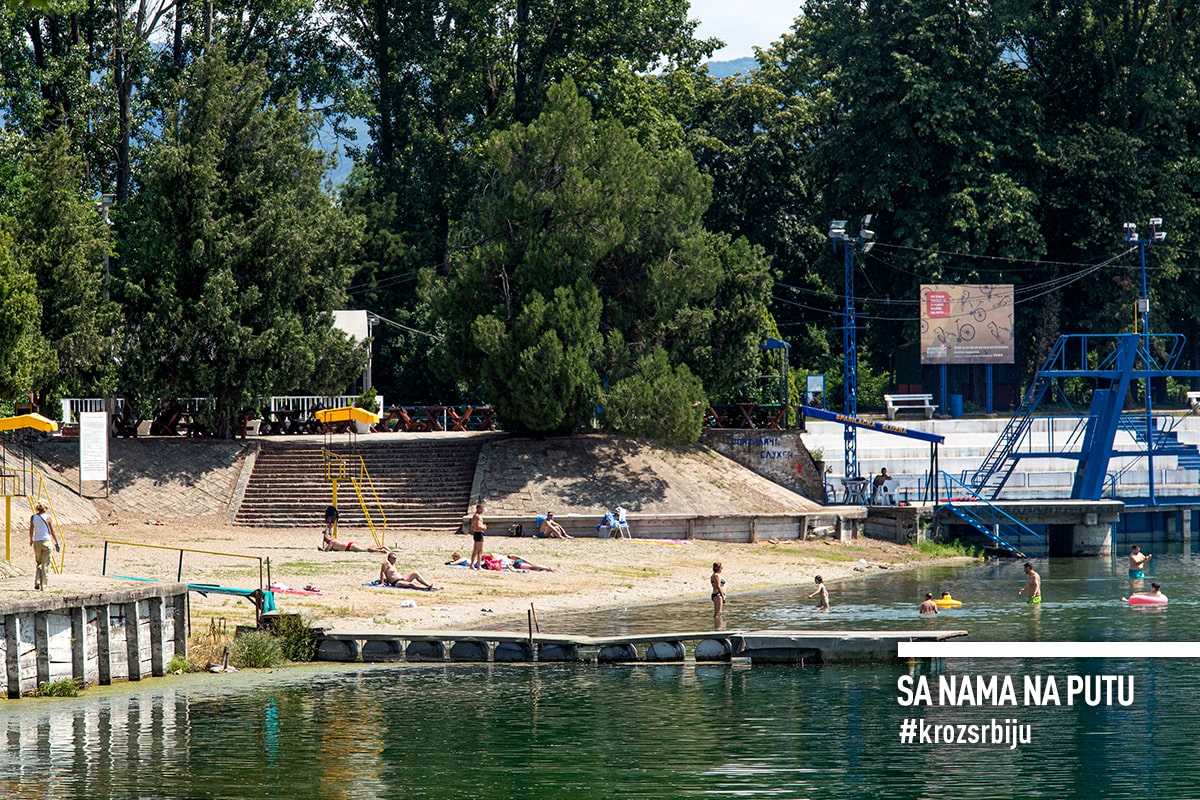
[[1137, 562], [823, 591], [478, 526], [718, 590], [390, 576], [928, 606], [1033, 586], [41, 537]]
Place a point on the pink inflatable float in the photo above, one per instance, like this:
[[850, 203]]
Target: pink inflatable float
[[1147, 600]]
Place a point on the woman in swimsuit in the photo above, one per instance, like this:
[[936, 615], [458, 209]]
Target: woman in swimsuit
[[328, 544], [718, 589]]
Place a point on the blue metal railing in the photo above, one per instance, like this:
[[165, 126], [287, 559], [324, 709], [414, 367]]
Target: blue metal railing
[[984, 516]]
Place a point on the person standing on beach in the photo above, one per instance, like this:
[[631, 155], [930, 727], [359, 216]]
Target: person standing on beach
[[1033, 585], [478, 526], [1137, 562], [718, 590], [823, 600], [41, 537]]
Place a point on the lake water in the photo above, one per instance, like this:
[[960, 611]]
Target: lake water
[[659, 731]]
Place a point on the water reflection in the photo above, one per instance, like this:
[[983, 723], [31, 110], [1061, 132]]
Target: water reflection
[[653, 730]]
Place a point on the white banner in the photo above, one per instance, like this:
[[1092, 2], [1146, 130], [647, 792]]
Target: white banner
[[93, 446]]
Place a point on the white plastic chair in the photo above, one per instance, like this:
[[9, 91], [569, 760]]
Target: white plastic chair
[[621, 526], [887, 492]]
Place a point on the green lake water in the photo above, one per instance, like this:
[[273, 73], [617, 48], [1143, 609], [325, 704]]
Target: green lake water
[[658, 731]]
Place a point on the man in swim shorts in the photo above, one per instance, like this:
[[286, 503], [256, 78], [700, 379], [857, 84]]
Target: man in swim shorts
[[478, 526], [1137, 562], [390, 576], [1033, 585], [928, 606]]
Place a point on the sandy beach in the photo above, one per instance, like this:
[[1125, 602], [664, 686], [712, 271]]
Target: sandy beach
[[590, 573]]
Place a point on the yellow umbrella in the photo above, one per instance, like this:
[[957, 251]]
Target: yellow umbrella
[[347, 413], [34, 421]]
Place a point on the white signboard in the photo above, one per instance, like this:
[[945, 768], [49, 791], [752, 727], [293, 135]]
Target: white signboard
[[93, 446]]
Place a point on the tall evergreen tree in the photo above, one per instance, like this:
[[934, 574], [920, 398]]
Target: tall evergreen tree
[[236, 256], [586, 252]]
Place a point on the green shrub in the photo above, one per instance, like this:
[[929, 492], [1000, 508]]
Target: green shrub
[[295, 637], [67, 687], [257, 649], [179, 663]]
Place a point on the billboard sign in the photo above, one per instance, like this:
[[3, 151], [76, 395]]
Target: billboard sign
[[969, 324]]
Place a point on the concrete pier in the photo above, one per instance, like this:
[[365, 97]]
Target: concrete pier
[[768, 646], [124, 634]]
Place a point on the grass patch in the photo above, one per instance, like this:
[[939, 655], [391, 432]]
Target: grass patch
[[948, 549], [207, 647], [67, 687]]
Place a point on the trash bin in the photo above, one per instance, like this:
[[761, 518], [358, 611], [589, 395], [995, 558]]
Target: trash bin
[[956, 406]]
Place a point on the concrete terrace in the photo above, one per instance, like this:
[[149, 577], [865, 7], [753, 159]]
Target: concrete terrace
[[968, 441]]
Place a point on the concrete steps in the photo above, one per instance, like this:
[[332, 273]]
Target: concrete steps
[[421, 486]]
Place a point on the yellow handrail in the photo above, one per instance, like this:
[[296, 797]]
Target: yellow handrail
[[182, 550]]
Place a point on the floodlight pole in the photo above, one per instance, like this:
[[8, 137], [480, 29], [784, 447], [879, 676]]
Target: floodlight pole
[[850, 247], [1143, 309]]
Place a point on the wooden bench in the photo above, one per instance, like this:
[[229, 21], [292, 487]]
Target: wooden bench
[[1193, 399], [910, 402]]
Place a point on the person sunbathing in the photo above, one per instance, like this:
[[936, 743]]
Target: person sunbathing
[[390, 576], [457, 560], [520, 563], [330, 544], [552, 529]]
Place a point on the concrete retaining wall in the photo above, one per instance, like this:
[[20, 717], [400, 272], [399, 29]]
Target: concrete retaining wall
[[121, 635], [845, 522]]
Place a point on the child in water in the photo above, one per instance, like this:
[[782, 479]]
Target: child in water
[[823, 600]]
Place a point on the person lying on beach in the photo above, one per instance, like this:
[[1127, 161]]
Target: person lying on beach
[[552, 529], [457, 560], [390, 576], [520, 563], [330, 544]]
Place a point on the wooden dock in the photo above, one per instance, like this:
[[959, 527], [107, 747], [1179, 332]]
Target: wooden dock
[[758, 647]]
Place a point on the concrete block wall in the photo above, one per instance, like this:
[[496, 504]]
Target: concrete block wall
[[123, 635]]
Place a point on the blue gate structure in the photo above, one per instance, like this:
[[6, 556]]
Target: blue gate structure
[[1110, 363]]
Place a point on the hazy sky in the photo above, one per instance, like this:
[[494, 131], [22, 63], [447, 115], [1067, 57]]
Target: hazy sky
[[743, 24]]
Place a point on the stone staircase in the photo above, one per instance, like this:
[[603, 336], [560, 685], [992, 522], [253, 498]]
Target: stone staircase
[[422, 485]]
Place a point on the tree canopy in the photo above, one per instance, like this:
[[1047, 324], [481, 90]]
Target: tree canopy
[[554, 208]]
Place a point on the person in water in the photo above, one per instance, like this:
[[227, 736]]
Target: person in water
[[1033, 585], [718, 589], [928, 606], [1154, 593], [1137, 562], [823, 591]]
